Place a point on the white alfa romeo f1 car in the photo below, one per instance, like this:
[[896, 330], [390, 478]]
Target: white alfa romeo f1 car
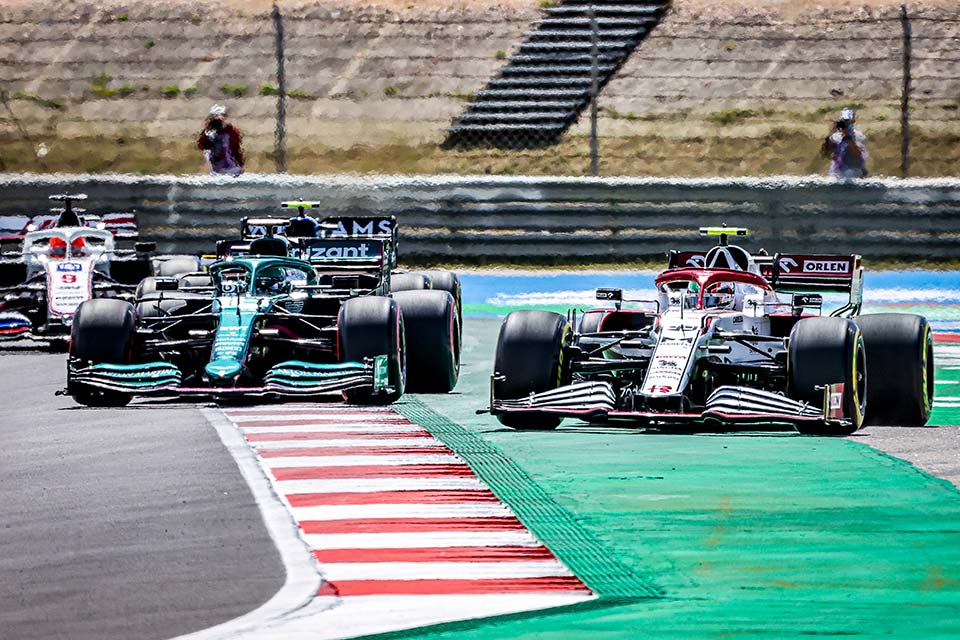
[[730, 338], [61, 261]]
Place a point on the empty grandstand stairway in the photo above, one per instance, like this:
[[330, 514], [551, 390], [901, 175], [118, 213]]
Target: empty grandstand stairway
[[546, 84]]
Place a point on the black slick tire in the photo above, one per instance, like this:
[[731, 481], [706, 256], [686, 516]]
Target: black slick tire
[[590, 321], [433, 340], [450, 282], [368, 327], [529, 360], [409, 281], [102, 332], [828, 351], [899, 349]]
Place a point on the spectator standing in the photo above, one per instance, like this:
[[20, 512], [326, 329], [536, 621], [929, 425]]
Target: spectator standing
[[221, 142], [846, 146]]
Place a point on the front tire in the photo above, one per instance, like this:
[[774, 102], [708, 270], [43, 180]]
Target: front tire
[[899, 349], [368, 327], [529, 360], [828, 351], [102, 332], [433, 340]]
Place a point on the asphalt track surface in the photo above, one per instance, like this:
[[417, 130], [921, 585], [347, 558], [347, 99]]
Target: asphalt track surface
[[130, 523], [136, 523]]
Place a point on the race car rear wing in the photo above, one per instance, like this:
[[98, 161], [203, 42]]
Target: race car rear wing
[[331, 227], [353, 253], [797, 273], [806, 272]]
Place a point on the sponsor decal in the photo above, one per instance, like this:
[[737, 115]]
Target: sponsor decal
[[346, 227], [609, 294], [826, 266], [333, 250], [835, 401], [787, 264], [68, 287], [737, 319], [261, 230], [807, 300]]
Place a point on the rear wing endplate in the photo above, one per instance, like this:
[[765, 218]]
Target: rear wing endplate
[[806, 273]]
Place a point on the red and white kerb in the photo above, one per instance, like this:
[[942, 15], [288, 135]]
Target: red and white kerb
[[388, 510]]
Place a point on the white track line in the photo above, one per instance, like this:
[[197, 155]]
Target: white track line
[[365, 511], [323, 419], [438, 587], [442, 570], [411, 443], [364, 485], [365, 615], [358, 461], [302, 578], [509, 537], [385, 429]]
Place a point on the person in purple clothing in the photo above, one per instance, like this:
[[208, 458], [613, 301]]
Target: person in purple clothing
[[846, 146], [221, 143]]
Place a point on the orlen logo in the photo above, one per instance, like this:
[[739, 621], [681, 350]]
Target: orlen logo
[[826, 266]]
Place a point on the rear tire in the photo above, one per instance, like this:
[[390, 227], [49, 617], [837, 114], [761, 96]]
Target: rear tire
[[450, 282], [433, 340], [102, 332], [828, 351], [369, 327], [408, 282], [899, 350], [590, 321], [529, 360]]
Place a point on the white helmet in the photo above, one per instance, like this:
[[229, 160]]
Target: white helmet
[[847, 114], [218, 110]]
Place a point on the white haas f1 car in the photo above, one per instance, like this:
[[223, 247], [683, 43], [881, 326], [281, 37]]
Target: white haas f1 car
[[736, 339], [61, 262]]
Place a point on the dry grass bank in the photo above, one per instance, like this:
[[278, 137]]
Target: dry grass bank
[[781, 152]]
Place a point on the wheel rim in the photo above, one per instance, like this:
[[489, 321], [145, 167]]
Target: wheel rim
[[860, 379]]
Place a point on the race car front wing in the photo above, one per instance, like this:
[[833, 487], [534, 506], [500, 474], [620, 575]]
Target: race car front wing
[[726, 405], [290, 378]]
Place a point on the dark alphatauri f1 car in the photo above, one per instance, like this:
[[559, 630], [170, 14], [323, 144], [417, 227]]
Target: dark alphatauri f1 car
[[731, 338], [347, 238], [61, 262], [262, 323]]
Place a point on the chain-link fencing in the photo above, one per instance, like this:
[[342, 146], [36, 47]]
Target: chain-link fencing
[[543, 88]]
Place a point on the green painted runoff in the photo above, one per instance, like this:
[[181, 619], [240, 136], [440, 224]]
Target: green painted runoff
[[718, 535]]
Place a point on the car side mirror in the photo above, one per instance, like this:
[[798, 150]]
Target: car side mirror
[[167, 284], [145, 247]]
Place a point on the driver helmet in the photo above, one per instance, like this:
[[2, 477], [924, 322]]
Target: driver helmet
[[693, 292], [78, 246], [720, 296], [58, 247], [270, 280]]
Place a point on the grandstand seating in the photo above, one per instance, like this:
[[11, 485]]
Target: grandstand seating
[[546, 83]]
